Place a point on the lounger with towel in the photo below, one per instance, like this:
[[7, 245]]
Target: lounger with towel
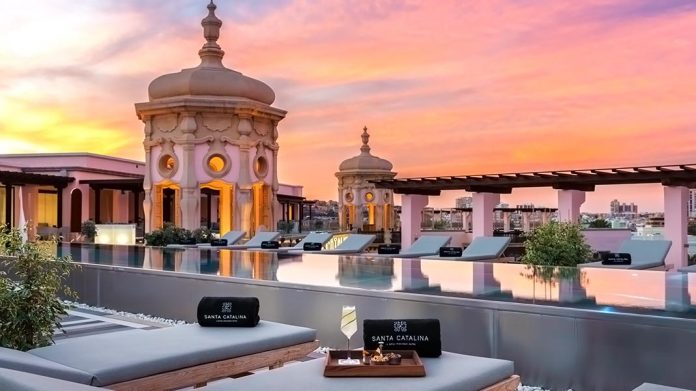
[[353, 244], [482, 248], [645, 254], [232, 237], [255, 242], [423, 246], [312, 237], [167, 358]]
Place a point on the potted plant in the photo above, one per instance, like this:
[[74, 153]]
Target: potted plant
[[29, 291]]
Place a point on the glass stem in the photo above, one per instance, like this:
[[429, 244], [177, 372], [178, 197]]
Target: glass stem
[[348, 349]]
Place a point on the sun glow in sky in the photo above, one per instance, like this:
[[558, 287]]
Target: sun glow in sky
[[446, 87]]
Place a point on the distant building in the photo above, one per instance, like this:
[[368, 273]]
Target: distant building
[[617, 208], [464, 202]]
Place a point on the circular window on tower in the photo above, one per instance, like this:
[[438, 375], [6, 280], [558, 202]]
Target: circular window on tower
[[369, 197], [349, 197], [167, 165], [386, 196], [261, 167], [216, 165]]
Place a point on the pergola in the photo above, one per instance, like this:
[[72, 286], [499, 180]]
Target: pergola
[[17, 178], [134, 185], [571, 186], [293, 208]]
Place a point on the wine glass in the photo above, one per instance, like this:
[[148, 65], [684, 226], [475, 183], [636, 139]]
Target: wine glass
[[349, 326]]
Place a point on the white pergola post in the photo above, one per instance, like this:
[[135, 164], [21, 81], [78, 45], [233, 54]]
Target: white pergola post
[[569, 202], [506, 221], [411, 207], [676, 200], [526, 222], [483, 206]]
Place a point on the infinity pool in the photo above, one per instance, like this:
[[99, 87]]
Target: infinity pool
[[607, 290]]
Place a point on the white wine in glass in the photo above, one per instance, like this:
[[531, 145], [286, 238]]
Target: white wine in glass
[[349, 326]]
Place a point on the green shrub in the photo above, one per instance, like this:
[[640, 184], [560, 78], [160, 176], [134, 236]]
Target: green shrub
[[556, 244], [202, 235], [31, 308], [599, 223], [89, 230], [169, 234]]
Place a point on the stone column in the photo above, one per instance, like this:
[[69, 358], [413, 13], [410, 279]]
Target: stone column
[[190, 192], [411, 208], [483, 205], [569, 202], [676, 200], [147, 180]]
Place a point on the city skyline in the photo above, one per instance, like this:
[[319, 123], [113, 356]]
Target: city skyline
[[498, 87]]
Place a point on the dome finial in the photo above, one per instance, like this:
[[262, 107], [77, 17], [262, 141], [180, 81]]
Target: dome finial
[[211, 53], [365, 139]]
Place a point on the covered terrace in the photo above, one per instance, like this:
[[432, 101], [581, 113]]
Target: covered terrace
[[571, 186]]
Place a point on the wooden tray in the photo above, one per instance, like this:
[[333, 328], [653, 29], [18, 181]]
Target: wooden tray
[[411, 365]]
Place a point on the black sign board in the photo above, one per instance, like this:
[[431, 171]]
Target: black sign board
[[312, 246], [218, 242], [270, 244], [616, 259], [388, 249], [451, 251], [421, 335]]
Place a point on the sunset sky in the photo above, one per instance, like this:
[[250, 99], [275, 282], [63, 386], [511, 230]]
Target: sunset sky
[[445, 87]]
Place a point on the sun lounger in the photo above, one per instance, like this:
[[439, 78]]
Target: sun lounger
[[645, 254], [483, 248], [424, 246], [657, 387], [254, 242], [168, 358], [354, 243], [312, 237], [232, 237], [448, 372]]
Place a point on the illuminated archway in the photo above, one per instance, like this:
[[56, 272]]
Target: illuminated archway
[[225, 203]]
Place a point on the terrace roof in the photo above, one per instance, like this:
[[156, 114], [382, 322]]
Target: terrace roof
[[132, 184], [25, 178], [584, 180]]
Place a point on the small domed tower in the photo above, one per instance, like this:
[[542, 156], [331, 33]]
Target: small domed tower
[[361, 204], [210, 145]]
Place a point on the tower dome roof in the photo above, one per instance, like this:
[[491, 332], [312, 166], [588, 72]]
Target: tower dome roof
[[210, 78], [365, 161]]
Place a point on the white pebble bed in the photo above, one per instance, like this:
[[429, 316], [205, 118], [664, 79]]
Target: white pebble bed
[[172, 322], [149, 318]]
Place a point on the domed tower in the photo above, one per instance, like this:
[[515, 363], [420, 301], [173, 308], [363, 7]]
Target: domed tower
[[210, 145], [361, 205]]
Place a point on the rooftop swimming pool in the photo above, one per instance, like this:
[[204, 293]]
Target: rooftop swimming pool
[[657, 293]]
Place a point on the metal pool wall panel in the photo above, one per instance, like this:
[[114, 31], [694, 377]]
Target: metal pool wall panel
[[554, 347]]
